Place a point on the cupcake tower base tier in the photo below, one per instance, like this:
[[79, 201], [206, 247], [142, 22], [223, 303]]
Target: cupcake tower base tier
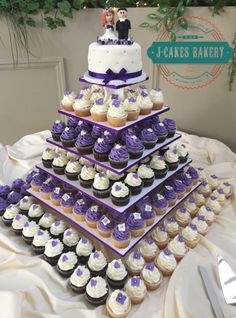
[[106, 125], [107, 202], [93, 232], [106, 164]]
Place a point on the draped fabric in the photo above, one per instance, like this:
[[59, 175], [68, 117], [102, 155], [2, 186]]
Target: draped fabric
[[31, 288]]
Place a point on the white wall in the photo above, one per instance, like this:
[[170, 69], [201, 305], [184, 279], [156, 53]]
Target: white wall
[[30, 94]]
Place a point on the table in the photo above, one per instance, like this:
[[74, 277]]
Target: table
[[31, 288]]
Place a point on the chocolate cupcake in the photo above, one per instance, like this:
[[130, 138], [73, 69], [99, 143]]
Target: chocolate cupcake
[[53, 250], [148, 138], [68, 137], [70, 239], [67, 264], [79, 279], [59, 163], [116, 274], [171, 159], [47, 157], [87, 176], [170, 126], [119, 157], [72, 122], [57, 129], [120, 194], [11, 211], [113, 177], [29, 231], [134, 146], [101, 150], [146, 174], [161, 132], [134, 183], [84, 143], [83, 125], [40, 240], [57, 229], [97, 132], [182, 153], [46, 221], [18, 223], [97, 264], [72, 170], [25, 204], [97, 291], [35, 212], [84, 249], [105, 225], [159, 166], [101, 185]]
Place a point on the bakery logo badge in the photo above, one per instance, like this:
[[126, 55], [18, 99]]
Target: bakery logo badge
[[196, 58]]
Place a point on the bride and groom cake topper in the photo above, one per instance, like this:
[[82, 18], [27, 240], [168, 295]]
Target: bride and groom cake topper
[[122, 25]]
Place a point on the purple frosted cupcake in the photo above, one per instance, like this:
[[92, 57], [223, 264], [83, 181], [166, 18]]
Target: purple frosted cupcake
[[161, 131], [136, 224], [148, 138], [186, 179], [121, 236], [147, 213], [101, 150], [119, 156], [170, 126], [57, 129], [84, 143], [134, 146], [92, 216], [14, 197], [194, 174], [68, 137], [170, 195], [110, 137], [72, 122], [179, 188], [67, 202], [37, 181], [3, 206], [4, 191], [105, 225], [30, 175], [160, 204], [17, 184], [97, 132], [125, 133], [82, 125], [80, 208], [46, 189], [56, 195], [24, 189]]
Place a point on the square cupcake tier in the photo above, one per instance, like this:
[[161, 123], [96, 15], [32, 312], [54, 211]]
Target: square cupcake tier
[[106, 164], [94, 233]]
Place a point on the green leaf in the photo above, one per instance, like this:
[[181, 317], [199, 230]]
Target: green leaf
[[172, 37], [163, 9], [65, 8], [152, 16], [167, 20], [49, 5], [50, 22], [21, 21], [32, 7], [158, 26], [60, 22], [144, 25], [183, 23], [181, 10], [31, 22], [78, 4]]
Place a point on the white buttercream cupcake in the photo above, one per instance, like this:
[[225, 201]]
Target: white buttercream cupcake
[[79, 279], [68, 100], [118, 305], [190, 235], [220, 196], [97, 291], [214, 204], [53, 250], [148, 249], [97, 263], [67, 263], [151, 276], [135, 263], [145, 103], [40, 240], [213, 181], [29, 231], [191, 206], [201, 224], [227, 188], [160, 236], [116, 274], [182, 216], [120, 193], [25, 203], [116, 114], [157, 98], [208, 214], [166, 262], [199, 198], [82, 105], [177, 247], [83, 249], [11, 211], [136, 289], [46, 220], [70, 239]]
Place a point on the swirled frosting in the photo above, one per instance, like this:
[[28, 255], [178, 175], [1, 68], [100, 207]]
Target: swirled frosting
[[116, 110], [53, 248], [119, 302], [121, 232], [97, 261], [81, 102], [58, 227], [199, 197], [41, 238], [101, 181], [67, 261], [171, 156], [213, 181], [135, 221], [114, 176], [133, 179], [190, 232], [119, 153], [30, 229], [46, 220], [151, 274], [135, 287], [48, 154], [181, 150], [144, 100], [35, 210], [135, 261], [99, 107], [145, 172], [131, 104], [84, 139], [182, 215], [102, 146], [159, 234], [157, 163], [177, 245], [26, 202], [119, 190], [167, 260], [19, 221], [68, 133], [11, 211], [207, 213], [80, 276], [73, 166], [87, 172], [148, 248], [68, 98], [200, 223], [70, 237], [190, 205], [147, 134], [97, 287], [171, 224], [60, 160], [213, 204], [116, 270], [84, 247]]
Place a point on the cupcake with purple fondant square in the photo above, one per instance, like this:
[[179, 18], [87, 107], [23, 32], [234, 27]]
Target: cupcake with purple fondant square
[[160, 204], [80, 208], [136, 224], [169, 193], [147, 213], [56, 195], [67, 202], [92, 216], [14, 197], [105, 225], [46, 189], [121, 235]]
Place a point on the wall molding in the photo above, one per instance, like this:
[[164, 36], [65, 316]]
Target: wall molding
[[56, 63]]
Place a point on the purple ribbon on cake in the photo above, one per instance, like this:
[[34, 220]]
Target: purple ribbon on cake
[[110, 75]]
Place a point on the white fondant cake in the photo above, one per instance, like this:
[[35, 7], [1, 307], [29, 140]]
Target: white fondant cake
[[114, 57]]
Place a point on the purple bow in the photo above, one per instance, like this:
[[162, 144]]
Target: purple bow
[[110, 76]]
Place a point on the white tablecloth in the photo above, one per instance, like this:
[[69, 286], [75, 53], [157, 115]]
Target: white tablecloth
[[31, 288]]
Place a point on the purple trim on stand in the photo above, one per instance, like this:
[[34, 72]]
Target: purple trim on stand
[[112, 86], [105, 125], [93, 232], [107, 202], [106, 165]]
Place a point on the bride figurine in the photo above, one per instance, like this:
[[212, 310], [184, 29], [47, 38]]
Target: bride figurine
[[108, 22]]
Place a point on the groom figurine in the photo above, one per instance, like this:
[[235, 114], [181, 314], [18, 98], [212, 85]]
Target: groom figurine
[[123, 24]]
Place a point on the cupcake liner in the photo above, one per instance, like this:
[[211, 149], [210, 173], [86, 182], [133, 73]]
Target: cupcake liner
[[133, 115], [183, 159], [113, 315], [101, 193], [83, 259], [58, 170], [18, 231], [72, 175], [92, 224], [148, 182], [38, 249], [121, 244], [52, 260], [120, 201], [97, 301], [67, 273], [172, 165], [86, 150], [116, 122], [45, 195], [161, 139], [68, 108], [137, 232], [7, 222], [56, 137], [78, 290], [99, 117], [192, 243], [68, 143], [135, 154], [149, 144], [152, 286], [23, 212], [35, 187], [145, 111], [101, 272], [118, 164], [82, 112], [117, 284], [135, 190], [85, 183], [28, 240], [104, 233], [101, 157], [171, 133], [47, 163], [159, 174]]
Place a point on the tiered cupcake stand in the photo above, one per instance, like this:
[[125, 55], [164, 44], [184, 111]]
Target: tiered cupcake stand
[[107, 203]]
